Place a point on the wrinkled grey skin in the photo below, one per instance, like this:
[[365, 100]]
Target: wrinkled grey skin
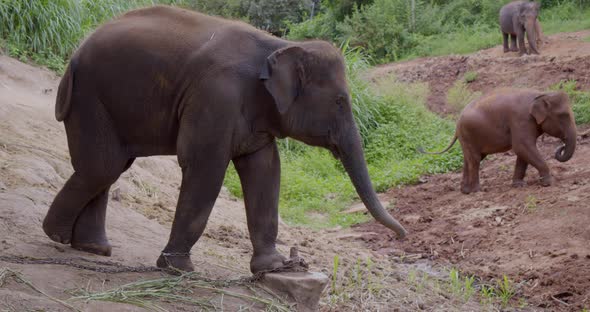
[[168, 81], [516, 19]]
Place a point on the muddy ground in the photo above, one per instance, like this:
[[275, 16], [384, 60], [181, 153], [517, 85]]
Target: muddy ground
[[34, 164], [537, 236]]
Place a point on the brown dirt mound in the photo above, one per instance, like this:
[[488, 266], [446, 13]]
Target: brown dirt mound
[[563, 57], [539, 237]]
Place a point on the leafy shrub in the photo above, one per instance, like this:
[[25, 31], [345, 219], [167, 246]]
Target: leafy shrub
[[580, 100], [459, 95]]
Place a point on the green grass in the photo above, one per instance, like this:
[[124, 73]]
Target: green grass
[[459, 94], [580, 100], [463, 41], [47, 32], [564, 18]]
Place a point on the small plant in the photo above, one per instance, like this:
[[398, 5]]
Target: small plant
[[455, 281], [412, 276], [459, 95], [505, 290], [461, 287], [470, 76], [335, 274], [530, 203], [468, 289], [487, 294]]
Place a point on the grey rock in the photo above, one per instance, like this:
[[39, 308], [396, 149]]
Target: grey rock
[[305, 288]]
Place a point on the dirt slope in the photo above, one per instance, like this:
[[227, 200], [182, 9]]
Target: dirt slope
[[539, 237], [563, 57], [34, 164]]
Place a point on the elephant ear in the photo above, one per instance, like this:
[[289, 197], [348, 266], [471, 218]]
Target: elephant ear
[[283, 76], [540, 107]]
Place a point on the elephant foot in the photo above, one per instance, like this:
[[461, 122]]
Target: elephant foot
[[547, 181], [518, 183], [506, 50], [60, 234], [266, 261], [175, 261], [469, 189], [95, 248]]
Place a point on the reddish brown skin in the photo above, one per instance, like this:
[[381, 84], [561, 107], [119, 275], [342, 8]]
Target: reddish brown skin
[[168, 81], [514, 119]]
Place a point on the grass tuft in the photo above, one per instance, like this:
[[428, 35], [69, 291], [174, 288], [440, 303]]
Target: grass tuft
[[459, 94], [148, 293], [580, 100]]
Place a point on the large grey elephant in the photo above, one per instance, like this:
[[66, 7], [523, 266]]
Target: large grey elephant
[[165, 81], [516, 19]]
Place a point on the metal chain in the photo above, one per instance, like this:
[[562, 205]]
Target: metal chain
[[78, 262], [293, 264]]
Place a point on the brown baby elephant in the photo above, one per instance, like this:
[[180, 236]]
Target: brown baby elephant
[[513, 119]]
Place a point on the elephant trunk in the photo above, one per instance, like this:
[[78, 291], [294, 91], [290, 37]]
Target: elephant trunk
[[352, 157], [531, 33], [565, 152]]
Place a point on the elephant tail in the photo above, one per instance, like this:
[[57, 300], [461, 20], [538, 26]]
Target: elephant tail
[[64, 92], [422, 151]]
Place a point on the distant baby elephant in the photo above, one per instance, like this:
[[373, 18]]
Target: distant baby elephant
[[516, 18], [513, 119]]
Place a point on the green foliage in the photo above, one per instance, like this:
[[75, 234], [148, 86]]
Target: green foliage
[[391, 30], [470, 77], [505, 290], [580, 100], [461, 287], [459, 95], [273, 15]]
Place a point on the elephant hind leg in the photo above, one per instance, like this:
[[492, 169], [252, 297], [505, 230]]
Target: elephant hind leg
[[471, 162], [78, 192], [98, 158], [89, 230]]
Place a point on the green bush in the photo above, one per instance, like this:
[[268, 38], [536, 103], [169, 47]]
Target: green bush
[[580, 100], [459, 95], [390, 30]]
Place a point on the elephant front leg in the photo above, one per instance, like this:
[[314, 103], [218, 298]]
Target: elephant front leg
[[529, 153], [513, 45], [519, 172], [202, 179], [260, 174], [505, 42], [521, 45]]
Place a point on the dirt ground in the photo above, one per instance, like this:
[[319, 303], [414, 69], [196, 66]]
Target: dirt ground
[[34, 163], [538, 236], [563, 57]]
